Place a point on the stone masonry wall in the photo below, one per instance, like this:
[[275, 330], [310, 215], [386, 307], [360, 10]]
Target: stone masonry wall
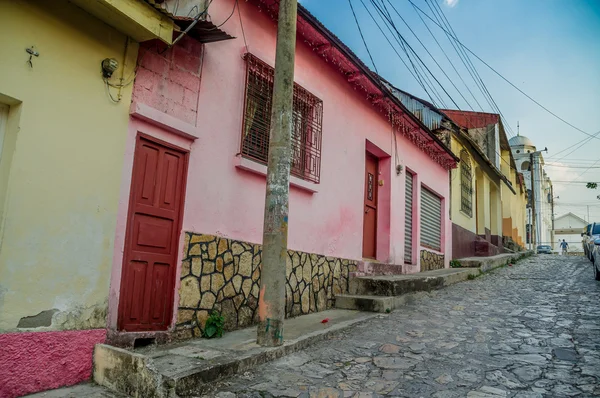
[[431, 261], [224, 275]]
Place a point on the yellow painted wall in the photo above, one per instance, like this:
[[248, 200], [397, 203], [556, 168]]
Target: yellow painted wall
[[61, 193], [458, 216]]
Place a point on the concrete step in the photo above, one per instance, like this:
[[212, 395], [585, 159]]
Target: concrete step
[[397, 285], [367, 268], [185, 369], [383, 304], [364, 303]]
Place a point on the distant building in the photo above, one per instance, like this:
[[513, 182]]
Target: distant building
[[539, 187], [569, 227]]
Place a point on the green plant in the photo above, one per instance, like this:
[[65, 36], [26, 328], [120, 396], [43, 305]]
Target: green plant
[[387, 310], [214, 325], [455, 264], [471, 277]]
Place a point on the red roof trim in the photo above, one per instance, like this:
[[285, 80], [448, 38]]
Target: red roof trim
[[471, 120]]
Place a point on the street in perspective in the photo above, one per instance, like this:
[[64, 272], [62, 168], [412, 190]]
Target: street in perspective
[[528, 330], [299, 198]]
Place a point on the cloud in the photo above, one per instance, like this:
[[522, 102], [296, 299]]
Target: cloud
[[451, 3]]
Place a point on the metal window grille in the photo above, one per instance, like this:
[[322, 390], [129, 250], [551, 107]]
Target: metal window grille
[[431, 219], [466, 184], [307, 122]]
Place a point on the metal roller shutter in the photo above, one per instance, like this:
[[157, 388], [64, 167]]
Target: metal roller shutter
[[431, 219], [408, 219]]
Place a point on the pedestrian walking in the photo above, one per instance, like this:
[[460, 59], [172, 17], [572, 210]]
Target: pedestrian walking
[[564, 246]]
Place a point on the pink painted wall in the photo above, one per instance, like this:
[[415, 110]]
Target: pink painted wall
[[31, 362], [230, 202], [225, 200]]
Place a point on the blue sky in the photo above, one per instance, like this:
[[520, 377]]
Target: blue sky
[[548, 48]]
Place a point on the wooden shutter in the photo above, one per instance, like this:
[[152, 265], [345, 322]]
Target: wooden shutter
[[431, 220], [408, 219]]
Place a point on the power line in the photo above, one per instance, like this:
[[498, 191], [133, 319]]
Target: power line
[[449, 61], [432, 57], [493, 104], [361, 36], [390, 21], [424, 79], [505, 79], [396, 51], [579, 145]]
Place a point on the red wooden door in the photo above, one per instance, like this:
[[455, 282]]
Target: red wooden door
[[370, 216], [151, 241]]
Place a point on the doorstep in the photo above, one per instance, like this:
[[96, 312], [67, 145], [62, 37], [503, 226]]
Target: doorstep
[[184, 369], [384, 293]]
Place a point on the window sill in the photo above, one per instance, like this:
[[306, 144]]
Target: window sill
[[251, 166], [431, 249], [466, 214]]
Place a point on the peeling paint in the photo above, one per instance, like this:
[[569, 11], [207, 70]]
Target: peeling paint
[[44, 318]]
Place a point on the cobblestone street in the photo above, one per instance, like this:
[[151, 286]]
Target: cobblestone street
[[531, 330]]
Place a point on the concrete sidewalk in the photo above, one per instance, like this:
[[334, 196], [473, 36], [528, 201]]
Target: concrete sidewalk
[[185, 369]]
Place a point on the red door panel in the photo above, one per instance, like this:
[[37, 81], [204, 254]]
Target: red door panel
[[151, 242], [370, 207]]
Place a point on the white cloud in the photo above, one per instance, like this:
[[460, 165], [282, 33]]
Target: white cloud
[[450, 3]]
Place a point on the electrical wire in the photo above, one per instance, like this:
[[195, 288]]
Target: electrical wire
[[423, 65], [420, 79], [449, 61], [394, 48], [433, 58], [477, 76], [418, 69], [362, 36], [503, 78], [242, 27]]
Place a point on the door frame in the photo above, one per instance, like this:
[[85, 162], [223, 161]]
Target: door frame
[[376, 188], [129, 225]]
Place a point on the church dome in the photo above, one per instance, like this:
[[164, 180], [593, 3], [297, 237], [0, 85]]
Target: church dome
[[520, 140]]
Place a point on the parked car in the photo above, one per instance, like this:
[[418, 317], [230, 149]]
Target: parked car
[[592, 233], [544, 249], [596, 259]]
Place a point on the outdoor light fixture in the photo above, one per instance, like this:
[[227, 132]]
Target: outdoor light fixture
[[109, 66]]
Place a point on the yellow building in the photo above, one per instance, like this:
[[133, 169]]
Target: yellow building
[[488, 195], [514, 206], [488, 198], [62, 140]]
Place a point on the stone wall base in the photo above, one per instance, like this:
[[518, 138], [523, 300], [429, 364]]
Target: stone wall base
[[223, 275], [431, 261]]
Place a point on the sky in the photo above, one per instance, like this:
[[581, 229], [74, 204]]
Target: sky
[[550, 49]]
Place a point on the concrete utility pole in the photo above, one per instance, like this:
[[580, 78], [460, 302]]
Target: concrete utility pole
[[533, 199], [271, 302]]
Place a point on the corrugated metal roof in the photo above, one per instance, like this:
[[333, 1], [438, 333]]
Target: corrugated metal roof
[[425, 113]]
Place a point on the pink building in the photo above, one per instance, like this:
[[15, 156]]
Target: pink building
[[363, 189]]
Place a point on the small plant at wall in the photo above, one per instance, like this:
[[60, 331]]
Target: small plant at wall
[[455, 264], [214, 325], [471, 277]]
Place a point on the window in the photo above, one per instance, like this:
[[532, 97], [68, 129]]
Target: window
[[431, 220], [466, 184], [307, 122], [525, 166]]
